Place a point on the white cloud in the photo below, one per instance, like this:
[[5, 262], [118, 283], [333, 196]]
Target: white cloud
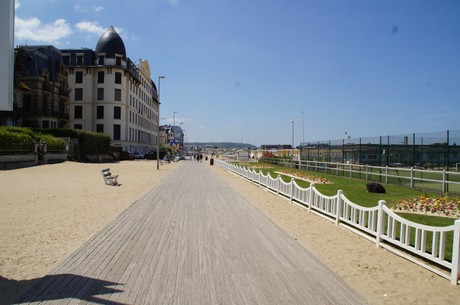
[[173, 2], [90, 27], [82, 9], [17, 4], [32, 29]]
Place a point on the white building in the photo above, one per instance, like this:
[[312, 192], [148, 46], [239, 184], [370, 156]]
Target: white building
[[113, 95]]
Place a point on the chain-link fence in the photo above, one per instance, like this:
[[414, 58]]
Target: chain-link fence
[[427, 150]]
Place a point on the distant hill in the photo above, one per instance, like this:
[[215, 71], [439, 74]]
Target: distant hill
[[230, 145]]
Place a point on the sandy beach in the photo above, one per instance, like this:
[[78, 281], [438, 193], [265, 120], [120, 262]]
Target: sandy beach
[[48, 211]]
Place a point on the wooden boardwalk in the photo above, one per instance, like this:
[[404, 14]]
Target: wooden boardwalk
[[191, 240]]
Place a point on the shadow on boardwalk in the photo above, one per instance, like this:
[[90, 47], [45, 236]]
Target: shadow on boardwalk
[[64, 286]]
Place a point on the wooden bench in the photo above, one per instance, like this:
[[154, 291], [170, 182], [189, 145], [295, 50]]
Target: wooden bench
[[109, 179]]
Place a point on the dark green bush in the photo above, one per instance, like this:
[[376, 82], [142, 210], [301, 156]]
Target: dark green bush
[[21, 138], [88, 142], [15, 140], [52, 143], [93, 142]]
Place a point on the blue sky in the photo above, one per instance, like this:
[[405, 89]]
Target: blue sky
[[241, 70]]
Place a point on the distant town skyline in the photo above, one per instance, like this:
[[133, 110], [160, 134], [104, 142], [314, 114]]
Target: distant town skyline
[[240, 71]]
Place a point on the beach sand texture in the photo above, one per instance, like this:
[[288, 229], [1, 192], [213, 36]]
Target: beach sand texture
[[47, 212]]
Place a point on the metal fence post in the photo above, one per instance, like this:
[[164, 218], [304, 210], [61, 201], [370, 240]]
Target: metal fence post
[[411, 177]]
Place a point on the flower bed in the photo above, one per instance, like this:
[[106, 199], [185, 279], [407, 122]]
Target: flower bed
[[442, 206], [306, 177]]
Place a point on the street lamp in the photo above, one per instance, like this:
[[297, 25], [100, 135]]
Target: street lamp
[[158, 130], [174, 118], [303, 131], [292, 151]]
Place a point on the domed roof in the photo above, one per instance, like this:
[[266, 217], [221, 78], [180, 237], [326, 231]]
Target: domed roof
[[111, 43]]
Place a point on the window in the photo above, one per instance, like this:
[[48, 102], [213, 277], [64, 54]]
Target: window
[[66, 59], [26, 98], [117, 77], [45, 124], [116, 131], [117, 113], [79, 77], [100, 128], [100, 112], [78, 94], [100, 77], [117, 95], [101, 60], [100, 94], [77, 126], [79, 60], [78, 112], [118, 60]]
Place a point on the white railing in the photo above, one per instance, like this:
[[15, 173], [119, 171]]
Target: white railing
[[378, 224]]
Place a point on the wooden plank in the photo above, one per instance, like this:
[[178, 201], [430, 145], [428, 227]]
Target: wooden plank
[[192, 240]]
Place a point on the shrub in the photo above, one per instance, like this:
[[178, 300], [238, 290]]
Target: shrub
[[52, 143], [88, 142], [93, 142], [15, 140]]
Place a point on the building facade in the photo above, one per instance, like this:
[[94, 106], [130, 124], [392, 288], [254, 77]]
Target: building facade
[[172, 137], [41, 92], [113, 95]]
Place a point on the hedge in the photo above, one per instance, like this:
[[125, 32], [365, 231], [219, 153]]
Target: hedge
[[15, 140], [89, 142], [21, 138]]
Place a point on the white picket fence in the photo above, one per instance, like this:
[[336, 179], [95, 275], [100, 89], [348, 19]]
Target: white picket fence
[[378, 224]]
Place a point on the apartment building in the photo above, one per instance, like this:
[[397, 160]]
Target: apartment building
[[112, 94]]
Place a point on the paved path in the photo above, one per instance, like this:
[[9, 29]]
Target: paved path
[[192, 240]]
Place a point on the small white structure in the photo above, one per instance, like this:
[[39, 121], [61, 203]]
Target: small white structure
[[242, 155]]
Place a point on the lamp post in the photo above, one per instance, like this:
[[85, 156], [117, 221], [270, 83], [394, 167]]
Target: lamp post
[[292, 150], [174, 118], [158, 131], [159, 79], [182, 138], [303, 131]]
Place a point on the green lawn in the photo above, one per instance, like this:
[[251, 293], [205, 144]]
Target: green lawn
[[355, 190]]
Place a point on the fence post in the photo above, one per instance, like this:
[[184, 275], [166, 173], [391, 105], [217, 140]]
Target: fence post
[[278, 182], [455, 272], [444, 188], [292, 189], [338, 207], [367, 172], [268, 179], [412, 177], [386, 174], [380, 222], [310, 196]]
